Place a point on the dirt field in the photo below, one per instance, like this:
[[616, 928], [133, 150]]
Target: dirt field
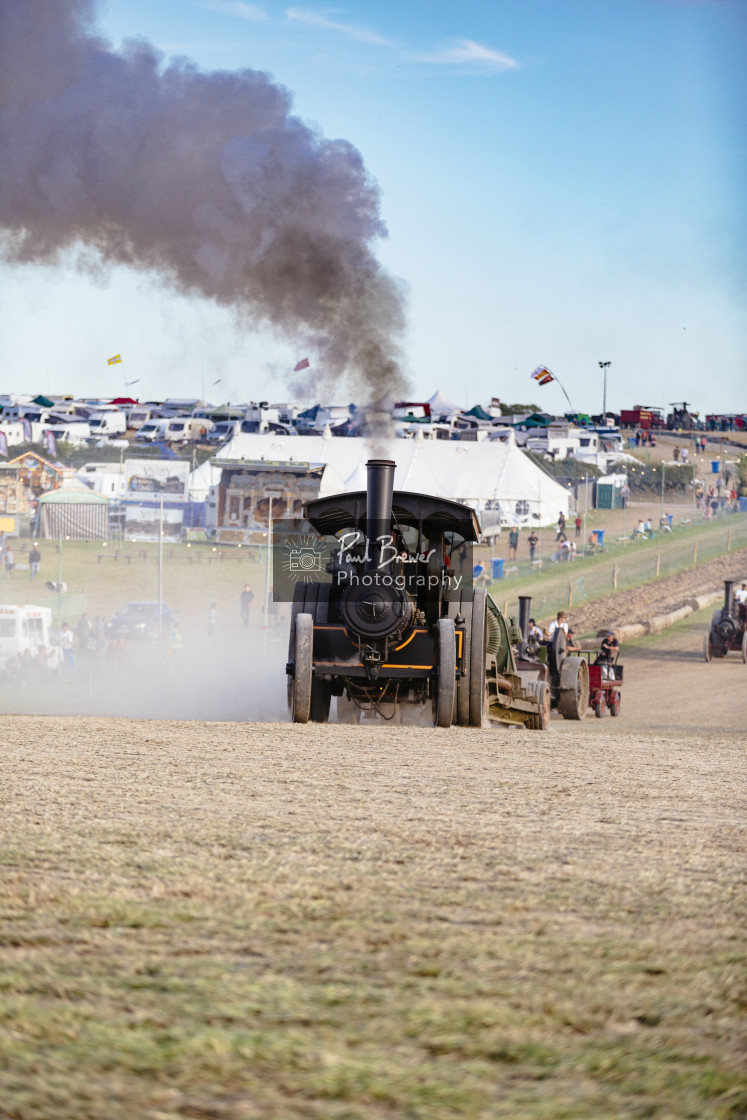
[[231, 920]]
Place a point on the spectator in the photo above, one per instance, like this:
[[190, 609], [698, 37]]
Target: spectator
[[640, 530], [532, 541], [578, 523], [10, 561], [84, 633], [67, 645], [561, 526], [513, 543], [34, 560], [624, 496], [247, 598], [676, 452]]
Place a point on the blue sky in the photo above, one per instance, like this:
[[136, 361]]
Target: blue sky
[[562, 182]]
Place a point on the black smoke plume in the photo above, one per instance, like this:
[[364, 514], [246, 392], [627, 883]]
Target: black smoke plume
[[205, 179]]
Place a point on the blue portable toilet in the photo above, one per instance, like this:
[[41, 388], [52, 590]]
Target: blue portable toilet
[[496, 567], [715, 464]]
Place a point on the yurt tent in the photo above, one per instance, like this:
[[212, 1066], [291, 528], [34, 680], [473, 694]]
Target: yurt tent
[[73, 512]]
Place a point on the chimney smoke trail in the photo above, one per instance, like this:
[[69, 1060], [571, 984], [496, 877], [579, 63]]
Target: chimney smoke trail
[[205, 179]]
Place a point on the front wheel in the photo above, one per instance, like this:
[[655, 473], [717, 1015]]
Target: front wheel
[[599, 707], [303, 669]]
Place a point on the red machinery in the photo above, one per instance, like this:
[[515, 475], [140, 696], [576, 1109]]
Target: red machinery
[[605, 682]]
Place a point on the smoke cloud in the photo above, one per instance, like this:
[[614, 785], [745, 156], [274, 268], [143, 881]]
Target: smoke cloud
[[205, 179]]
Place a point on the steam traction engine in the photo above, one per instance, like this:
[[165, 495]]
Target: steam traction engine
[[397, 628], [728, 627]]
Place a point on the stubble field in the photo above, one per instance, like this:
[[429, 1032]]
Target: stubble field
[[240, 920]]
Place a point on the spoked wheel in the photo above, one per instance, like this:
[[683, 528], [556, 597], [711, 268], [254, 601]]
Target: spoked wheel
[[615, 703], [301, 686], [744, 647], [477, 651], [574, 688], [445, 693], [707, 647]]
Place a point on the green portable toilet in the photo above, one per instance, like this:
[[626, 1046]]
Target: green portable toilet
[[608, 496]]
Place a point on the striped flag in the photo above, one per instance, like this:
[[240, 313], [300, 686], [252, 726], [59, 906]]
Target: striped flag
[[542, 375], [113, 361]]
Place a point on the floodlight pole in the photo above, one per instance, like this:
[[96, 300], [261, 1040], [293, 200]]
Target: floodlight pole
[[604, 366]]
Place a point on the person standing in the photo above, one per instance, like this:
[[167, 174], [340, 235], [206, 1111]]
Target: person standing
[[578, 523], [558, 623], [10, 561], [34, 560], [67, 645], [561, 526], [532, 541], [513, 543], [84, 633], [247, 598]]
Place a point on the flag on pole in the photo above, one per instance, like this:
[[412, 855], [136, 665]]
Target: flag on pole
[[113, 361], [27, 434], [3, 445], [303, 364], [543, 375], [50, 443]]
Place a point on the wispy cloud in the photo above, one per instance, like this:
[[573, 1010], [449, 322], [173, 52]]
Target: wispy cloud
[[241, 9], [465, 52], [360, 34]]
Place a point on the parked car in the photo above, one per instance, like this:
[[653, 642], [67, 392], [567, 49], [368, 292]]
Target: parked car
[[140, 620]]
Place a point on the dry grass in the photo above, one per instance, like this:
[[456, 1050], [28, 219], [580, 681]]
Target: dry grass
[[239, 921]]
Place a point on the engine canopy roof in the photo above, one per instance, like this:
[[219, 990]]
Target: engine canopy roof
[[436, 515]]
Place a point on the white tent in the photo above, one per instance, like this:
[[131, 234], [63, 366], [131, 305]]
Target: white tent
[[441, 407], [496, 478]]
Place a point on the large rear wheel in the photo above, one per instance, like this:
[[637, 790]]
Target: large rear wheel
[[445, 697], [463, 607], [574, 688], [303, 669]]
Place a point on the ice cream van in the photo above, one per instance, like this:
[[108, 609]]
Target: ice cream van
[[27, 628]]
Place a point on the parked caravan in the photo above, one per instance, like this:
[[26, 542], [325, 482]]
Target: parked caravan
[[140, 414]]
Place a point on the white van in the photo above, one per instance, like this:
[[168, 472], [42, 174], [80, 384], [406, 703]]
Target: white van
[[23, 629], [223, 430], [150, 430], [107, 424]]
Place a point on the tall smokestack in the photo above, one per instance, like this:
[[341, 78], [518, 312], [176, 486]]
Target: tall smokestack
[[380, 487], [205, 179]]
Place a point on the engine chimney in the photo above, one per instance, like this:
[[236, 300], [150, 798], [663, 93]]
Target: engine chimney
[[378, 507]]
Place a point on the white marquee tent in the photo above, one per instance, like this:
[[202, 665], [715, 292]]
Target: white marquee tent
[[494, 477]]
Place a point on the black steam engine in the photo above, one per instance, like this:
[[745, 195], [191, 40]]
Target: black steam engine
[[728, 626], [397, 627]]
